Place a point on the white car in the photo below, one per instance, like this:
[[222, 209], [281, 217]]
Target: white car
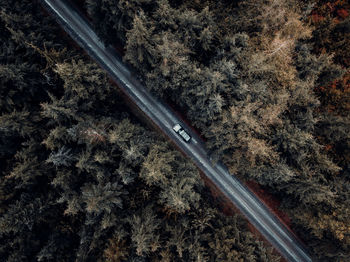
[[178, 129]]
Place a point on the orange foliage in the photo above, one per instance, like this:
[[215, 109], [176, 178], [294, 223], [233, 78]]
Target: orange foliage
[[328, 147], [335, 96], [342, 13], [316, 18], [337, 10]]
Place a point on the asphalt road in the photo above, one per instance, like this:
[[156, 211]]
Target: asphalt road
[[162, 116]]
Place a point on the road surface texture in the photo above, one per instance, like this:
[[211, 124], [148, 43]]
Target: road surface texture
[[163, 117]]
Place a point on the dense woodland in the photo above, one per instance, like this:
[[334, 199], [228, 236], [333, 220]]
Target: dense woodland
[[266, 83], [81, 178]]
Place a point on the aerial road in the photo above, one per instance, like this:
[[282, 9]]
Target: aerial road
[[178, 132]]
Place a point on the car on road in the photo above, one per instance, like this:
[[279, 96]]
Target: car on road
[[178, 129]]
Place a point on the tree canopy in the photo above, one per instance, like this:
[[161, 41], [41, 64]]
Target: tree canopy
[[81, 178]]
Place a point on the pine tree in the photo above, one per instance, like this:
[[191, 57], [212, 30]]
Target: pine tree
[[101, 198], [143, 235]]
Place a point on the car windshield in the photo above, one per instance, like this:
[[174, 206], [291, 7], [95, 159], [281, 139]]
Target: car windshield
[[177, 127]]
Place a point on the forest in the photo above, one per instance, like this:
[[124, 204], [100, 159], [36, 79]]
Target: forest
[[266, 84], [82, 179]]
